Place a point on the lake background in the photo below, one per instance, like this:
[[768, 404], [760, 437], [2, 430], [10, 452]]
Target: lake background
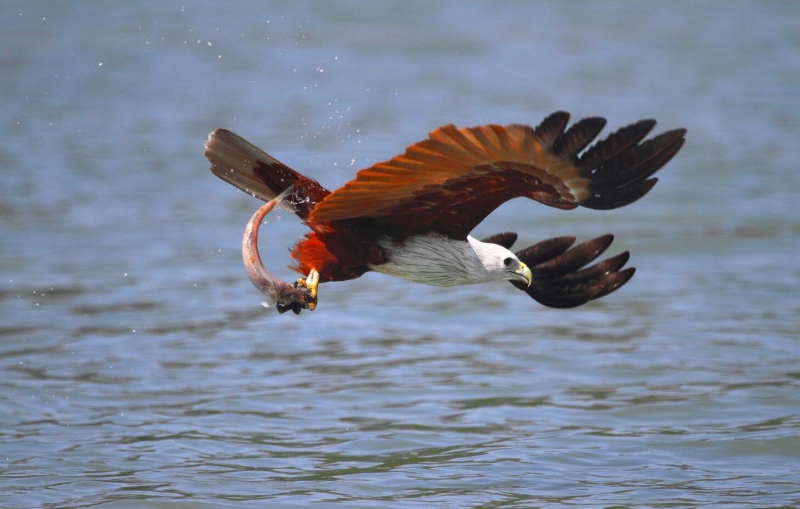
[[139, 369]]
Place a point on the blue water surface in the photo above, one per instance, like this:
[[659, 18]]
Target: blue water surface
[[139, 368]]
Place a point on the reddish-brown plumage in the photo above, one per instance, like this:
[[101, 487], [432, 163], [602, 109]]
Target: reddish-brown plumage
[[310, 253], [339, 253], [449, 183]]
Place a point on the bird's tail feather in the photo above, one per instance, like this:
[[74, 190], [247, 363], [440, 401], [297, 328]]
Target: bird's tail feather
[[245, 166]]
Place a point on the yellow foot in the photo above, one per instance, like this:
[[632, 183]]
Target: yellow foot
[[311, 282]]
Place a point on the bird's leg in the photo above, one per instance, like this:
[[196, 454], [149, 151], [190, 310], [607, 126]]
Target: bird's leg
[[311, 283]]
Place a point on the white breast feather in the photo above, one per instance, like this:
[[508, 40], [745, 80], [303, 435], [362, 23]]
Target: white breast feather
[[436, 260]]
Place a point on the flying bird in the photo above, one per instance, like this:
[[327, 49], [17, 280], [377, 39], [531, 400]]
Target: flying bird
[[411, 217]]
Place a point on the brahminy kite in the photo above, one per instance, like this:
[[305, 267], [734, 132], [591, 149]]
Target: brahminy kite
[[411, 216]]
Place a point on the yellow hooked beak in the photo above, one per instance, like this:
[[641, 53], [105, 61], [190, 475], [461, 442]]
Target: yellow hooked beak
[[524, 272]]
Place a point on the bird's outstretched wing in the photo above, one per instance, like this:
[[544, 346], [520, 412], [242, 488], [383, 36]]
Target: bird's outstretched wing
[[450, 182], [559, 277]]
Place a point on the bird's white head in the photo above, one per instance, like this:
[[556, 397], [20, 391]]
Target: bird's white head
[[501, 263]]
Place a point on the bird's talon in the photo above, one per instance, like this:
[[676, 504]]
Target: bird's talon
[[311, 284]]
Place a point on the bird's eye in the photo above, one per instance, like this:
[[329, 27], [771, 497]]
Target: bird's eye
[[507, 262]]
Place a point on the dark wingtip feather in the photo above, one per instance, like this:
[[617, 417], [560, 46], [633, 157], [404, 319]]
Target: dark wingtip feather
[[616, 143], [578, 137], [545, 250], [614, 282], [619, 168], [505, 239], [573, 259], [560, 282], [551, 128], [616, 198]]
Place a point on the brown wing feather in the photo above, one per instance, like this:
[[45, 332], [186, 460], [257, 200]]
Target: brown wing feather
[[450, 182]]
